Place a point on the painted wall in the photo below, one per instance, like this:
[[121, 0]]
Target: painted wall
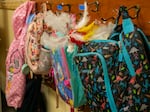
[[6, 36]]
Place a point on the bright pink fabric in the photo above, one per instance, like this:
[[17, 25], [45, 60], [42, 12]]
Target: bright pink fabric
[[15, 80]]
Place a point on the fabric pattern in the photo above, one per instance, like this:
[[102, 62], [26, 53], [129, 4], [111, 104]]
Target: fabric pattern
[[15, 80], [92, 74], [62, 77], [38, 57], [130, 93], [137, 98]]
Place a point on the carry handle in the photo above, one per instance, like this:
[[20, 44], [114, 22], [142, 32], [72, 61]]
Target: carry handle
[[137, 10], [127, 23], [123, 11]]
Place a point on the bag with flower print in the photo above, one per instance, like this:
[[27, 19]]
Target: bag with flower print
[[37, 55]]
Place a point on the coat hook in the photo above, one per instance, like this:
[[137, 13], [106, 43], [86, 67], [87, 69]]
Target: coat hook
[[110, 18], [49, 5], [60, 6], [137, 10], [96, 3]]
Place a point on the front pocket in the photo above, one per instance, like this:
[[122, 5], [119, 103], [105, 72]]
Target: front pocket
[[95, 78]]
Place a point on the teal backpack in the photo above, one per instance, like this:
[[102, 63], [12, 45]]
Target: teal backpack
[[115, 73], [68, 83], [134, 62]]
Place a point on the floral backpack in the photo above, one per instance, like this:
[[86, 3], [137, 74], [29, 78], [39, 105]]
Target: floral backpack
[[15, 79], [37, 55]]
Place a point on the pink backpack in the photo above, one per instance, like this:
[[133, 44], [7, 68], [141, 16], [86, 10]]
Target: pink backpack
[[15, 79]]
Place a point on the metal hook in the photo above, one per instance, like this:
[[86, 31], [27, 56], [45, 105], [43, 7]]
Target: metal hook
[[137, 10], [49, 5], [96, 3], [65, 5], [110, 18]]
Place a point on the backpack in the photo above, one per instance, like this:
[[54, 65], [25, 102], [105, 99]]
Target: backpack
[[68, 84], [37, 55], [134, 61], [15, 79], [95, 64], [115, 73]]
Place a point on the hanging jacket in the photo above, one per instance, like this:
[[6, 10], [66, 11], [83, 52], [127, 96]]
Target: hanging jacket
[[15, 80]]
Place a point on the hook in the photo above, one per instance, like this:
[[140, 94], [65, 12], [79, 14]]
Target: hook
[[96, 3], [110, 18], [49, 5], [60, 6], [43, 7], [137, 10]]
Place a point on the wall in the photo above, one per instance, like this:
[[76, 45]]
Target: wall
[[108, 8], [51, 101]]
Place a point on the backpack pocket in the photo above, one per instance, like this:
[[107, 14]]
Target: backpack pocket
[[97, 64], [95, 79]]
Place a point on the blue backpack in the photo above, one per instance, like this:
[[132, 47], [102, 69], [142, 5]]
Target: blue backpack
[[68, 83], [116, 73]]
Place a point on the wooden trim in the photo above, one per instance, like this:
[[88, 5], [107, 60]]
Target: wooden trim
[[10, 4]]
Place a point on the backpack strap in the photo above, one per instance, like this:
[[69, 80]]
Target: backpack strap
[[127, 57], [128, 27]]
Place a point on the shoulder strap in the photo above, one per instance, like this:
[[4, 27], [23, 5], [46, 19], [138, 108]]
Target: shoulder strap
[[128, 27]]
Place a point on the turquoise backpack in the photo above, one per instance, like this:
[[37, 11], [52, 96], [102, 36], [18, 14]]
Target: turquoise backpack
[[68, 83]]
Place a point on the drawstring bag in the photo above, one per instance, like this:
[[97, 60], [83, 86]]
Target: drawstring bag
[[15, 79]]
